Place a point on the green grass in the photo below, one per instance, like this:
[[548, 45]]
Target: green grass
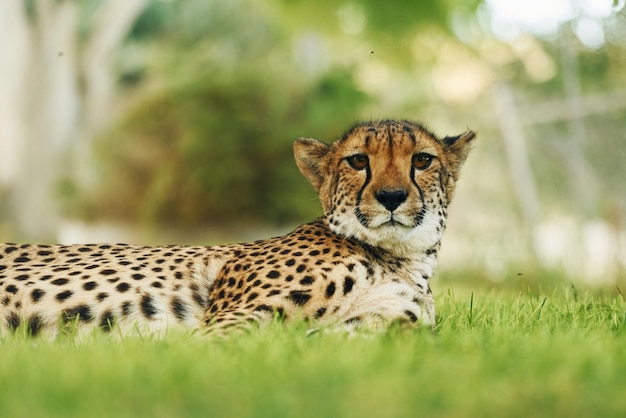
[[493, 354]]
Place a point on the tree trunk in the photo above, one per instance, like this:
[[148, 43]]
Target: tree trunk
[[518, 161], [44, 114]]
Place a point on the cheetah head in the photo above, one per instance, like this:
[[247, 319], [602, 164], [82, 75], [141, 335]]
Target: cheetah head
[[386, 183]]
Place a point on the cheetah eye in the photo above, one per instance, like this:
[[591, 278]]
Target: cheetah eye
[[422, 160], [358, 161]]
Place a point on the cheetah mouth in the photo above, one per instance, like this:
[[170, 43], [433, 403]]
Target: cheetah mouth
[[394, 223], [399, 222]]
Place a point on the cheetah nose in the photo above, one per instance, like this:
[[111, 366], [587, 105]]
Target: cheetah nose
[[391, 199]]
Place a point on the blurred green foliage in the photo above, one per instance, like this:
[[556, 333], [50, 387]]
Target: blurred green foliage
[[212, 150], [219, 90]]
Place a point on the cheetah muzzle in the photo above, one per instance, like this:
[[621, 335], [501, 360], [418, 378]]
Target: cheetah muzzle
[[385, 188]]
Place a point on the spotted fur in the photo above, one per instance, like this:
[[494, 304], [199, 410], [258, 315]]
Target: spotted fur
[[384, 187]]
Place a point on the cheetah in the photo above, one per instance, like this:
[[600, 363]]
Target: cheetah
[[384, 187]]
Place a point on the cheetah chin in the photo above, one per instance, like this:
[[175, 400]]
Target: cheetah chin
[[384, 186]]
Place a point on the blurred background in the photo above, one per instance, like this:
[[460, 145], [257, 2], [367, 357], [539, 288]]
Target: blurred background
[[172, 121]]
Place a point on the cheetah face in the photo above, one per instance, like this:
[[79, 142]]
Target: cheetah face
[[386, 183]]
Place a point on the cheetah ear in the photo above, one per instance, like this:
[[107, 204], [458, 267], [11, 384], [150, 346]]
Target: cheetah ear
[[310, 157], [457, 149]]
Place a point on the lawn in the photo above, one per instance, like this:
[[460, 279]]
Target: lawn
[[494, 353]]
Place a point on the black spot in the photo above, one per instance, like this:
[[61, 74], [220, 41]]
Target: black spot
[[411, 315], [347, 285], [253, 296], [107, 272], [22, 277], [63, 295], [22, 260], [290, 262], [9, 250], [179, 308], [84, 249], [138, 276], [330, 289], [102, 296], [126, 308], [58, 269], [307, 280], [231, 282], [13, 321], [251, 277], [274, 292], [35, 323], [11, 289], [354, 320], [263, 308], [197, 297], [80, 312], [147, 306], [274, 274], [319, 313], [59, 282], [157, 285], [37, 294], [301, 268], [299, 297], [90, 285], [106, 321]]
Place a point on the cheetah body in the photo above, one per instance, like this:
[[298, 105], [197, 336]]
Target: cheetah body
[[384, 186]]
